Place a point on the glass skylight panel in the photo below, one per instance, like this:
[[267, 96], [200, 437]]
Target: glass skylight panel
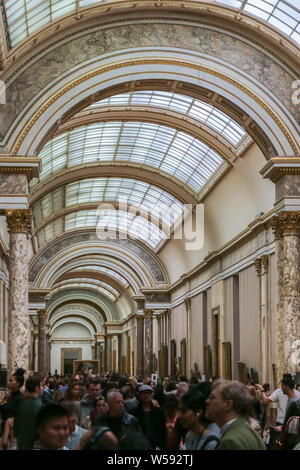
[[103, 270], [180, 103], [134, 141]]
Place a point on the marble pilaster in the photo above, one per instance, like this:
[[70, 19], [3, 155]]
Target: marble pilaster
[[187, 303], [42, 348], [120, 346], [108, 352], [19, 225], [148, 341], [140, 345], [287, 232]]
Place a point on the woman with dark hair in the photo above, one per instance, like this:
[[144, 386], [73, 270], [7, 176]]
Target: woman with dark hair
[[73, 392], [12, 399], [174, 429], [202, 434]]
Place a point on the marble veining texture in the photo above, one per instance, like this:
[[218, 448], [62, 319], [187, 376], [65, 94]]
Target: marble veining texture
[[18, 321], [128, 36], [288, 185], [148, 346], [13, 184]]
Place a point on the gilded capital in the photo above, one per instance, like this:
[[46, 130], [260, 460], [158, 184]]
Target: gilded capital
[[265, 263], [257, 264], [286, 223], [140, 318], [187, 303], [42, 313], [19, 220], [148, 312]]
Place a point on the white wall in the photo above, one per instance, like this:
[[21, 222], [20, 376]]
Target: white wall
[[71, 330], [228, 209], [56, 353], [64, 333]]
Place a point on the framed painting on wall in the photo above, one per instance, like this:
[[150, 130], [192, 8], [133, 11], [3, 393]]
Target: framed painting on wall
[[88, 366]]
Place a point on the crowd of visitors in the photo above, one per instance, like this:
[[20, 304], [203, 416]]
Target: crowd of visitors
[[90, 412]]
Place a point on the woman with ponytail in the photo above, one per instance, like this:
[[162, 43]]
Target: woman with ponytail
[[11, 400]]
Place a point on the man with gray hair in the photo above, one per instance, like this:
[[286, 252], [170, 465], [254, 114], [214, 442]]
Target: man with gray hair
[[229, 407], [117, 419]]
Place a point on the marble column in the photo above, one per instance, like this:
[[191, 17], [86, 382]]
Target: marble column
[[48, 350], [42, 343], [19, 225], [188, 336], [158, 318], [287, 234], [148, 341], [120, 345], [108, 352], [140, 345]]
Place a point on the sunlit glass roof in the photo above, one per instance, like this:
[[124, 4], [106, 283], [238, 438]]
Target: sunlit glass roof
[[80, 285], [96, 190], [183, 104], [102, 270], [175, 153], [24, 17], [95, 282], [106, 222]]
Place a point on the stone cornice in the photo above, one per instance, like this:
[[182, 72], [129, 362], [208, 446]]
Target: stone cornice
[[279, 166], [31, 166], [19, 220]]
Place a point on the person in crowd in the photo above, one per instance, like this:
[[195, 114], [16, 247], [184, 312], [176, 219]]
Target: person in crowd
[[48, 390], [73, 392], [8, 440], [75, 432], [193, 382], [11, 400], [151, 418], [27, 413], [181, 389], [159, 395], [117, 419], [174, 429], [88, 403], [58, 397], [257, 408], [229, 407], [202, 433], [280, 399], [171, 387], [130, 401], [100, 408], [99, 438], [288, 388], [52, 428]]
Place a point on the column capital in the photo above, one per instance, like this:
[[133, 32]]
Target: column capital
[[148, 312], [187, 303], [42, 313], [140, 318], [257, 264], [286, 223], [19, 220], [265, 263]]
